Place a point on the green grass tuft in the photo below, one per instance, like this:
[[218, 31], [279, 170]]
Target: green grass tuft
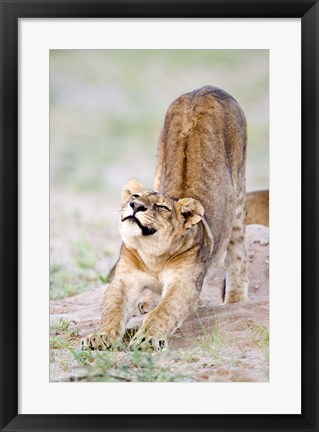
[[260, 335], [59, 342], [63, 325], [212, 340]]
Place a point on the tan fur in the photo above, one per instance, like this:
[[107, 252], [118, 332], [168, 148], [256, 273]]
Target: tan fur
[[258, 208], [195, 214]]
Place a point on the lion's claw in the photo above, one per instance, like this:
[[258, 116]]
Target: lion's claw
[[96, 341], [144, 342]]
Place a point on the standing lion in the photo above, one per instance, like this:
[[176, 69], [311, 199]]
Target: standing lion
[[193, 217]]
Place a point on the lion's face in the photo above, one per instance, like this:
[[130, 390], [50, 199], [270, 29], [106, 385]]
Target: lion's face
[[147, 213], [155, 217]]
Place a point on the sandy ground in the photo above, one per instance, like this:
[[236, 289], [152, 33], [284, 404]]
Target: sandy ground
[[217, 343]]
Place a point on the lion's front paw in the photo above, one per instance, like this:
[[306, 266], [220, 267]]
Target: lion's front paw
[[96, 341], [144, 341]]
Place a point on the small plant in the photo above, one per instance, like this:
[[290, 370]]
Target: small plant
[[55, 268], [74, 333], [97, 364], [212, 340], [100, 369], [260, 335], [83, 357], [63, 325], [104, 278], [191, 357], [58, 342], [65, 365]]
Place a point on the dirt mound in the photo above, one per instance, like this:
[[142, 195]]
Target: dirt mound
[[217, 343]]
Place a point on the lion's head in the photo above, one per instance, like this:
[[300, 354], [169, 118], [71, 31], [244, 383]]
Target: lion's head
[[149, 216]]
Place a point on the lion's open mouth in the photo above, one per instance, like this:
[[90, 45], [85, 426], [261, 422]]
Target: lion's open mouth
[[145, 230]]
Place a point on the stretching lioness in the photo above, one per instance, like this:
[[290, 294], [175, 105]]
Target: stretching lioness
[[194, 215]]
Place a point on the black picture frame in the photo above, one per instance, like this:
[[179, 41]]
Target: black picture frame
[[11, 11]]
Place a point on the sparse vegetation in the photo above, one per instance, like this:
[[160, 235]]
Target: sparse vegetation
[[63, 324], [212, 339], [191, 356], [66, 283], [83, 357], [104, 279], [85, 274], [58, 342], [65, 365], [211, 354], [64, 334], [135, 366], [260, 336]]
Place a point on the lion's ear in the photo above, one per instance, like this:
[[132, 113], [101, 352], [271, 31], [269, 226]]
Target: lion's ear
[[132, 187], [191, 210]]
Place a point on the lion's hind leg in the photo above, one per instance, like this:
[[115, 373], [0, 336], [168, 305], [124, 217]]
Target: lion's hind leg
[[147, 301], [236, 261]]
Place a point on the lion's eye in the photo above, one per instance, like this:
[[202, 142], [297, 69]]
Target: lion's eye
[[163, 207], [135, 196]]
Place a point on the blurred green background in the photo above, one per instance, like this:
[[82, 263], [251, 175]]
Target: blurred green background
[[107, 108]]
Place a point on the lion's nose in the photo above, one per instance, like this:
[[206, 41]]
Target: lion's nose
[[137, 207]]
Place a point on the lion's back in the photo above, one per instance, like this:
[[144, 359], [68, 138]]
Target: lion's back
[[202, 153]]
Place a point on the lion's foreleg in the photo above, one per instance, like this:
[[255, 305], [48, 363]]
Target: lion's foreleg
[[116, 309], [118, 306], [179, 300]]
